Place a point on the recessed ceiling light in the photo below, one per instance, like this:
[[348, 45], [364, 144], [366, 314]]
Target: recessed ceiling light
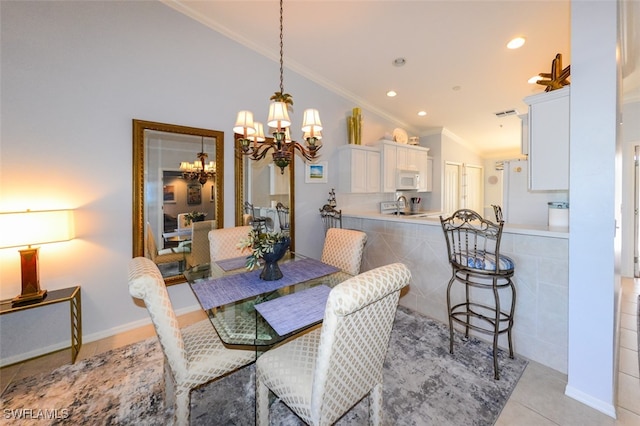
[[391, 93], [422, 113], [516, 43], [398, 62], [534, 79]]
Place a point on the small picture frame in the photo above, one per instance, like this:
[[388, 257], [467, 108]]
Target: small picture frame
[[316, 172], [194, 194], [169, 194]]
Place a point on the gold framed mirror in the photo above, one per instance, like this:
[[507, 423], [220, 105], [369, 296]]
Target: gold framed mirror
[[262, 184], [158, 150]]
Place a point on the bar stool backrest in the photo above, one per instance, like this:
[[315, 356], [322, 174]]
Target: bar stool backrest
[[473, 243], [331, 218]]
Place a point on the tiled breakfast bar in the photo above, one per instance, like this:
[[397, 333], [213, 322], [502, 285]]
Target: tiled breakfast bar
[[541, 276]]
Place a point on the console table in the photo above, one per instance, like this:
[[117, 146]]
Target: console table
[[71, 295]]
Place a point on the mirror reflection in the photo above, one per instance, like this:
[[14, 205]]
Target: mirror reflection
[[264, 195], [176, 199]]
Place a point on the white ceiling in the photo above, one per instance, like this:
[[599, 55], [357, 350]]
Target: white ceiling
[[458, 68]]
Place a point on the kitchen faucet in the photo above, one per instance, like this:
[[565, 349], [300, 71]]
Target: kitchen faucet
[[402, 197]]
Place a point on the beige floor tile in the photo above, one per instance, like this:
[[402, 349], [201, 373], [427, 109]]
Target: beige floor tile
[[628, 363], [7, 374], [87, 350], [627, 418], [44, 364], [541, 389], [515, 413], [628, 339], [627, 307], [191, 318], [126, 338], [628, 321], [629, 393]]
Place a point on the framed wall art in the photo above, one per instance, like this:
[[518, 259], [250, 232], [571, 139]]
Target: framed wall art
[[316, 172], [194, 194], [169, 194]]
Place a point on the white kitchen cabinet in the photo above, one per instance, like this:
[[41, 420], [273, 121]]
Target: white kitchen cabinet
[[524, 134], [549, 140], [359, 169], [407, 157], [423, 164]]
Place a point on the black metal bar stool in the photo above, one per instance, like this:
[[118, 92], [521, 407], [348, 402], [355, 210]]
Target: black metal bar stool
[[473, 246]]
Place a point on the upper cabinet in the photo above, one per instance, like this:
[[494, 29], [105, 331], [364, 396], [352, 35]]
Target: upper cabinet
[[397, 156], [548, 140], [359, 169]]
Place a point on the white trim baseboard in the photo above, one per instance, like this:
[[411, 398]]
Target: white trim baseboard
[[87, 338], [597, 404]]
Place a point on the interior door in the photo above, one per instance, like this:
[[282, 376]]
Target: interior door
[[473, 189], [452, 193]]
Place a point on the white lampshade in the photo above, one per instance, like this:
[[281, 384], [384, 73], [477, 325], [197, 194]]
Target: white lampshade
[[40, 227], [259, 134], [184, 165], [278, 115], [311, 121], [244, 123]]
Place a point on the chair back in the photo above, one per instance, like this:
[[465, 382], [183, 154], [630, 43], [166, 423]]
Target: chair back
[[223, 243], [354, 339], [283, 218], [331, 218], [473, 243], [497, 210], [150, 244], [200, 242], [146, 283], [258, 222], [343, 248], [182, 220]]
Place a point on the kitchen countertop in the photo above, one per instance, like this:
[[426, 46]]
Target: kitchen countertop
[[432, 218]]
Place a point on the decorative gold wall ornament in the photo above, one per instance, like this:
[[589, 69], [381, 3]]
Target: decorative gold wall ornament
[[558, 76]]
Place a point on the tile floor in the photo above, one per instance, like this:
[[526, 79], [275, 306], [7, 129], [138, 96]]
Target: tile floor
[[537, 400]]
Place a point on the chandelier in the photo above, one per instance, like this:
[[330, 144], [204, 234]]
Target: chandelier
[[199, 170], [252, 142]]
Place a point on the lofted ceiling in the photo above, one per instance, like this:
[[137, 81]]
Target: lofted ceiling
[[458, 68]]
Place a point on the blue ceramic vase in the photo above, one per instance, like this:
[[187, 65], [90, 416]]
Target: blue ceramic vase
[[271, 271]]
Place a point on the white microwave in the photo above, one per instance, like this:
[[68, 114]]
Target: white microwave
[[407, 180]]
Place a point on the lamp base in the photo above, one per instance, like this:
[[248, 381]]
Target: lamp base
[[30, 278], [24, 299]]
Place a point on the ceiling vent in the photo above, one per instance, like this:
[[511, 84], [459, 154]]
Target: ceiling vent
[[501, 114]]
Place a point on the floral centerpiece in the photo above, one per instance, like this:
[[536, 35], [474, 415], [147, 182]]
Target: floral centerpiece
[[268, 246], [194, 216]]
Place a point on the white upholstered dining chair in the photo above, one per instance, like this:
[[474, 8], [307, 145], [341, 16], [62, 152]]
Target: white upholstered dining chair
[[193, 355], [223, 242], [200, 242], [322, 374], [343, 248], [168, 255]]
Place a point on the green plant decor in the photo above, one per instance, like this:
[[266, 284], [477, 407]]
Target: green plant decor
[[260, 244], [194, 216]]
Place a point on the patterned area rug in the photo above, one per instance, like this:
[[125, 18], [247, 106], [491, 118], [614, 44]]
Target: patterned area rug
[[423, 384]]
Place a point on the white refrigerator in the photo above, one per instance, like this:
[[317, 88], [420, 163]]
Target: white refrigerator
[[521, 206]]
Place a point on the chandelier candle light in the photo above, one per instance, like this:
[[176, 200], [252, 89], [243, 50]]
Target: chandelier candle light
[[199, 170], [252, 142]]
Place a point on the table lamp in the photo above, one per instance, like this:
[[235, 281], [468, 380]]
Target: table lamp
[[28, 228]]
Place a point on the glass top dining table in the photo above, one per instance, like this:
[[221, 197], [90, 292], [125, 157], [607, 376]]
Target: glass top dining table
[[248, 311]]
